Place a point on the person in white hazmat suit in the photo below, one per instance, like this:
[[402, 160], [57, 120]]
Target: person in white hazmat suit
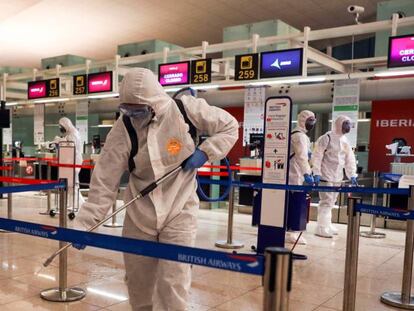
[[332, 154], [70, 133], [169, 213], [299, 168]]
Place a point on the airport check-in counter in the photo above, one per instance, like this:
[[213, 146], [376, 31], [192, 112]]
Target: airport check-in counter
[[246, 193]]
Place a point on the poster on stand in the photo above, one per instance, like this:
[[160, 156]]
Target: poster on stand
[[39, 124], [276, 160], [346, 102], [7, 132], [254, 99], [82, 120]]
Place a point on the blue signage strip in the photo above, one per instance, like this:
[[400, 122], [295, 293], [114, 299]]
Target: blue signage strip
[[283, 63], [37, 187], [250, 264], [384, 211], [306, 188]]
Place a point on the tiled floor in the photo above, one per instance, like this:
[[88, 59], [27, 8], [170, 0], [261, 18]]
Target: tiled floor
[[317, 282]]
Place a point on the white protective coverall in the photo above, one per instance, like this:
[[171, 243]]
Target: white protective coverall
[[299, 162], [332, 154], [72, 134], [169, 213]]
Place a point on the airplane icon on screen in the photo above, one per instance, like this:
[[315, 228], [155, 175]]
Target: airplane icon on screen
[[278, 64]]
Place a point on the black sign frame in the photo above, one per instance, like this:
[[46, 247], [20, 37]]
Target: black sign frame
[[52, 88], [246, 67], [198, 77], [77, 89]]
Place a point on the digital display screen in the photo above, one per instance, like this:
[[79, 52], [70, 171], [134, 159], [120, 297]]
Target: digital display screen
[[246, 67], [43, 89], [36, 90], [174, 73], [401, 51], [281, 63], [100, 82]]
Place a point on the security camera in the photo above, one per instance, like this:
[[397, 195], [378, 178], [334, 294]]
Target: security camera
[[356, 9]]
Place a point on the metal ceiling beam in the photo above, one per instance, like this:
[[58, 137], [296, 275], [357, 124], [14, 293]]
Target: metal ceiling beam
[[16, 95], [313, 35], [17, 86]]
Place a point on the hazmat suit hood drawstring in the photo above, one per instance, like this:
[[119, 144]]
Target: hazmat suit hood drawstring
[[141, 87], [302, 117], [337, 128]]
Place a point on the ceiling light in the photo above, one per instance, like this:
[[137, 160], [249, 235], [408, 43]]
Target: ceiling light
[[103, 96], [206, 87], [51, 100], [288, 81], [173, 90], [105, 125], [394, 73], [12, 104]]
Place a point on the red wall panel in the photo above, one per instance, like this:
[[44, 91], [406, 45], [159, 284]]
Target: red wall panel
[[389, 119], [237, 152]]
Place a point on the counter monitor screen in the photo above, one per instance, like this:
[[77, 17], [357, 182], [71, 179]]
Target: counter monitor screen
[[401, 51], [100, 82], [174, 73]]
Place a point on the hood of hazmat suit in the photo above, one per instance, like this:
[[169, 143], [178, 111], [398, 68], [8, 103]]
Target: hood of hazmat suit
[[299, 149], [71, 134], [333, 153]]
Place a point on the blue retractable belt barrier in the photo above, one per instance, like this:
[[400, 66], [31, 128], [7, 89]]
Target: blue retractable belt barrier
[[37, 187], [384, 211], [251, 264], [308, 188]]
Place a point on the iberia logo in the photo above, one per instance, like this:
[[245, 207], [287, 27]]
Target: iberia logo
[[52, 230], [174, 146]]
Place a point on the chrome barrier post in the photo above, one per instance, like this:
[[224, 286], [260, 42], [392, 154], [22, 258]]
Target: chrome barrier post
[[351, 257], [404, 299], [9, 207], [371, 233], [113, 223], [277, 279], [63, 293], [48, 192], [229, 243]]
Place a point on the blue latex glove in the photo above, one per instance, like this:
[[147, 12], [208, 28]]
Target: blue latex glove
[[196, 160], [79, 246], [354, 181], [308, 179], [317, 179]]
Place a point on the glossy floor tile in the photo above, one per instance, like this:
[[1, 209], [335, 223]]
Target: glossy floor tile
[[317, 282]]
